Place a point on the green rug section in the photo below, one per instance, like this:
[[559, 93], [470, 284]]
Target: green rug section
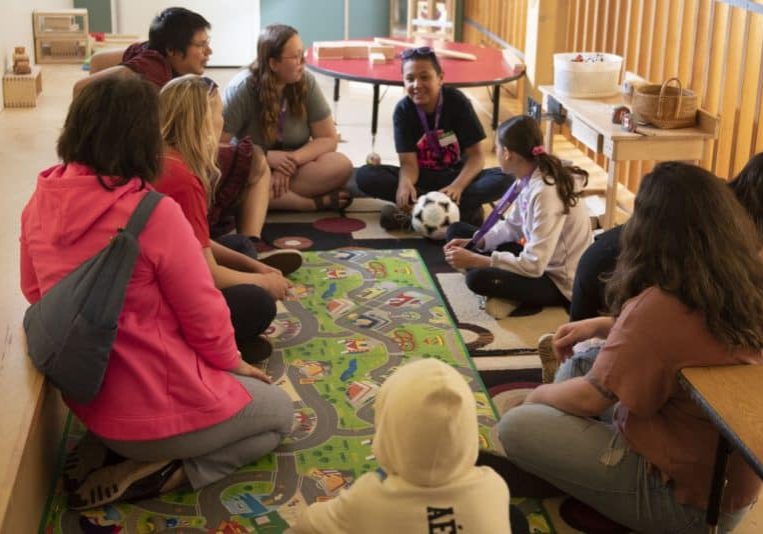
[[353, 317]]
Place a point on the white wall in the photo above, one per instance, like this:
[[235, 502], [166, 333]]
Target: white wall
[[16, 25], [235, 25]]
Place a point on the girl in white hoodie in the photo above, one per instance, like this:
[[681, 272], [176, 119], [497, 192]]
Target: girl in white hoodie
[[529, 259], [426, 442]]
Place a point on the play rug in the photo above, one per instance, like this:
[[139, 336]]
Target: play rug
[[483, 335], [353, 317]]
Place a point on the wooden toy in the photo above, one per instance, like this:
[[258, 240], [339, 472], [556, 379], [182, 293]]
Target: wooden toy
[[21, 61], [442, 52]]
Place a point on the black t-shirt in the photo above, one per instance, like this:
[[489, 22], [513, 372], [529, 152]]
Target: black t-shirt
[[459, 129]]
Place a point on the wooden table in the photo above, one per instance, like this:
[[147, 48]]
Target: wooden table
[[732, 397], [591, 123], [489, 69]]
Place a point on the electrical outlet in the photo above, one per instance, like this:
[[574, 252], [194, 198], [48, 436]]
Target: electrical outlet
[[533, 108], [556, 110]]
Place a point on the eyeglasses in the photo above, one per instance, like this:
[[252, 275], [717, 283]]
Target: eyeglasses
[[210, 83], [419, 52], [300, 58], [202, 44]]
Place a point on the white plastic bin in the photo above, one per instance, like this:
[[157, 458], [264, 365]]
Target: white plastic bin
[[587, 79]]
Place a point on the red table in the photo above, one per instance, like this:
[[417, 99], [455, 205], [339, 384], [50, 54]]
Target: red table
[[489, 69]]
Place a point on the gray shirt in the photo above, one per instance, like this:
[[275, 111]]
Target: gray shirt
[[239, 112]]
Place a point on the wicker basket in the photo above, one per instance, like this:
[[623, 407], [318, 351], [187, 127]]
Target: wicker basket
[[664, 106]]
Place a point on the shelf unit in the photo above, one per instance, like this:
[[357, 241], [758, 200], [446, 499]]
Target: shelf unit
[[61, 36]]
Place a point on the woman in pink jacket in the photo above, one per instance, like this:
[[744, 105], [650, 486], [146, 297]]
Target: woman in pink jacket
[[178, 405]]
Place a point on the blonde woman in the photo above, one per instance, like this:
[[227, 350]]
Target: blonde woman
[[191, 122], [281, 107]]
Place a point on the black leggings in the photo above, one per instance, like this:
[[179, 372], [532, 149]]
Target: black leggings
[[495, 282], [252, 308], [596, 263]]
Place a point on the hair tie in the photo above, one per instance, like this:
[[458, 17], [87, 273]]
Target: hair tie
[[538, 150]]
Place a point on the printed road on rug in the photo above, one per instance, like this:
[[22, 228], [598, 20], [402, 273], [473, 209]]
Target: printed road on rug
[[353, 317]]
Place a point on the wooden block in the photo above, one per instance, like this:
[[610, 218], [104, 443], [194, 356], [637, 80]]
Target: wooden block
[[376, 58], [21, 90], [386, 50], [328, 50], [356, 51]]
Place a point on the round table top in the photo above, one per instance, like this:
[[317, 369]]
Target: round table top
[[490, 68]]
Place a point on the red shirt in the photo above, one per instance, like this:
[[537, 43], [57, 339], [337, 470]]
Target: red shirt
[[653, 339], [178, 182], [148, 64]]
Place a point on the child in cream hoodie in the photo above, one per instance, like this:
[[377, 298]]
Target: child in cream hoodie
[[426, 442]]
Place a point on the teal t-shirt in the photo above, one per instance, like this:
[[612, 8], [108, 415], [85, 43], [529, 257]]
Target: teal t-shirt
[[239, 108]]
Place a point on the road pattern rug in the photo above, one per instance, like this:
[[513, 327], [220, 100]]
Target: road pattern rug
[[353, 317]]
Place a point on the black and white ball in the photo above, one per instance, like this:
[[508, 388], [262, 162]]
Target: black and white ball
[[433, 213]]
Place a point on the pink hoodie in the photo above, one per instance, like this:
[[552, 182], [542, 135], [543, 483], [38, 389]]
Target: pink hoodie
[[167, 373]]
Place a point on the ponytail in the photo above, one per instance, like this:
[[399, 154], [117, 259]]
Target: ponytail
[[522, 136]]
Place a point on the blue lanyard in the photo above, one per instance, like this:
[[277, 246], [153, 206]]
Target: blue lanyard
[[431, 133]]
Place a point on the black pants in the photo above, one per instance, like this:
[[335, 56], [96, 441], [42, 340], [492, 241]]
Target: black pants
[[596, 264], [252, 308], [380, 181], [495, 282]]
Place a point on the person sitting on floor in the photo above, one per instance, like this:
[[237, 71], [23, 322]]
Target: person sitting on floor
[[687, 291], [177, 403], [598, 261], [547, 215], [191, 114], [426, 443], [280, 106], [178, 44], [437, 139]]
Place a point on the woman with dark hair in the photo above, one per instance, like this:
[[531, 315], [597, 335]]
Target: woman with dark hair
[[687, 291], [437, 139], [598, 261], [547, 216], [177, 404], [279, 104]]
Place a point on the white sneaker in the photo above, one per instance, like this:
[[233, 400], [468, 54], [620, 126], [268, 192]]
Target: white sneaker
[[499, 308], [286, 260]]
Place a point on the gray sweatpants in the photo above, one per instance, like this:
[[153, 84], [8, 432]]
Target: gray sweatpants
[[214, 452]]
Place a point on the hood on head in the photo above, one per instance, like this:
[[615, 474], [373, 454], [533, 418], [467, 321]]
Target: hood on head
[[426, 424]]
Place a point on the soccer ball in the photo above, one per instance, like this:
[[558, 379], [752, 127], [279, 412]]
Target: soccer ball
[[433, 213]]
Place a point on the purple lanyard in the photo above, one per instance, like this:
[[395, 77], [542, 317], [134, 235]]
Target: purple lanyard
[[506, 201], [431, 133], [281, 120]]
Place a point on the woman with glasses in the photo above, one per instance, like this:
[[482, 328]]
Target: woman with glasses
[[279, 104], [178, 404], [437, 138]]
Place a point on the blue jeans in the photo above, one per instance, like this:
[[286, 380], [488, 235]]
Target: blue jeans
[[589, 460], [380, 181]]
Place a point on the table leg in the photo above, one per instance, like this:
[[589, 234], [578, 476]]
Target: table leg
[[548, 136], [610, 200], [718, 483], [496, 105], [336, 89], [375, 112]]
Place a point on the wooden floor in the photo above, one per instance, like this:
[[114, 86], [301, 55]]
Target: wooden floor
[[27, 145]]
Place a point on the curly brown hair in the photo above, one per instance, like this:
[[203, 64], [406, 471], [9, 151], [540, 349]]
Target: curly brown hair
[[521, 134], [262, 82], [691, 238]]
